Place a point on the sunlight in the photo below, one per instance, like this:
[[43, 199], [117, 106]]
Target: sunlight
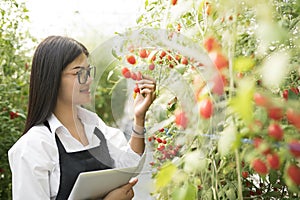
[[81, 18]]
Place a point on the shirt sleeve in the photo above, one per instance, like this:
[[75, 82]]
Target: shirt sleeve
[[120, 149], [30, 164]]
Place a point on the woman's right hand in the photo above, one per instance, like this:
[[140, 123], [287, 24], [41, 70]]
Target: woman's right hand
[[124, 192]]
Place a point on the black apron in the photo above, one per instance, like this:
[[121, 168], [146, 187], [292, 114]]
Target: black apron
[[72, 164]]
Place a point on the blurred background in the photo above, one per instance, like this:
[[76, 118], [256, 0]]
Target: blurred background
[[90, 21], [23, 25]]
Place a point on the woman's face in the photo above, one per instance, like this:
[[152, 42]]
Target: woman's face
[[71, 92]]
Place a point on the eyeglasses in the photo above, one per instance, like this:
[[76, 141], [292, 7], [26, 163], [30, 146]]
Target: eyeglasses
[[84, 73]]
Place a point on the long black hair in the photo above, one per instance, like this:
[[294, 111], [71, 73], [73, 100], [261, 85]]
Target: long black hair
[[51, 57]]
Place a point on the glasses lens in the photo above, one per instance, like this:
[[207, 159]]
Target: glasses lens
[[84, 73], [82, 76]]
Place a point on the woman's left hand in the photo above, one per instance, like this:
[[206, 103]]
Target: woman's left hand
[[144, 99]]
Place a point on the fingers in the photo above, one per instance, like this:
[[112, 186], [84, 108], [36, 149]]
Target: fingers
[[150, 87], [147, 85], [129, 185], [133, 181], [146, 91], [145, 77], [147, 80], [130, 194]]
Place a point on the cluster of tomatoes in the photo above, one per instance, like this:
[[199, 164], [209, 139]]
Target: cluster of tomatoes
[[165, 147], [169, 59], [158, 61], [274, 142]]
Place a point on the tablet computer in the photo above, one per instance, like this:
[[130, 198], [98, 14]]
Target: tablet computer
[[96, 184]]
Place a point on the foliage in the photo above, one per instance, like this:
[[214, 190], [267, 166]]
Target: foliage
[[243, 139], [225, 124], [14, 77]]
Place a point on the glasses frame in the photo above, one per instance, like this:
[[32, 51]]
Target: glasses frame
[[88, 73]]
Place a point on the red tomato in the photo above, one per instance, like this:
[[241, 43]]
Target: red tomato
[[275, 113], [131, 59], [219, 83], [133, 76], [161, 147], [169, 57], [245, 174], [273, 161], [206, 108], [261, 100], [143, 53], [159, 140], [163, 54], [293, 117], [151, 66], [184, 61], [211, 44], [259, 166], [137, 89], [275, 131], [219, 60], [153, 58], [161, 130], [126, 72], [295, 90], [13, 115], [285, 94], [181, 119], [294, 174]]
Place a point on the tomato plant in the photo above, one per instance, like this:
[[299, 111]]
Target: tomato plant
[[246, 132], [14, 77]]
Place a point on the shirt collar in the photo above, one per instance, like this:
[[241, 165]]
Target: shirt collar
[[54, 123], [86, 116]]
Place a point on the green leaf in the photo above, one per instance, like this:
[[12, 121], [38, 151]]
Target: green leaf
[[187, 192], [230, 193], [111, 72], [139, 20], [164, 176], [181, 68], [114, 53], [273, 177], [242, 103], [243, 64]]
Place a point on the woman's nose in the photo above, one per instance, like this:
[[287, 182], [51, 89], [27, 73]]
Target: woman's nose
[[89, 79]]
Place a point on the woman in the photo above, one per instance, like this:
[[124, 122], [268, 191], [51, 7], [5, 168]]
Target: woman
[[62, 139]]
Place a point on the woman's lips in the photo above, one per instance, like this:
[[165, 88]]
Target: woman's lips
[[87, 90]]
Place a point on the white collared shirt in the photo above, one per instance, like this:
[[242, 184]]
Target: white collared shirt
[[34, 158]]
